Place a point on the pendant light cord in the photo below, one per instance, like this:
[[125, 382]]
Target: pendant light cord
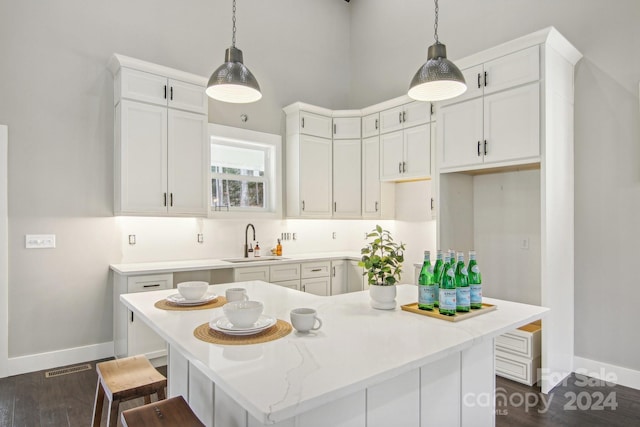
[[435, 25], [233, 37]]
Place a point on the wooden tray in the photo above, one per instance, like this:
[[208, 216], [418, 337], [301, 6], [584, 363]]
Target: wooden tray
[[413, 308]]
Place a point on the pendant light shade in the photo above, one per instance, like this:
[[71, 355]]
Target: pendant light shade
[[232, 81], [438, 78]]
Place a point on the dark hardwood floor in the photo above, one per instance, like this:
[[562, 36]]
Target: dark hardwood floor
[[31, 400]]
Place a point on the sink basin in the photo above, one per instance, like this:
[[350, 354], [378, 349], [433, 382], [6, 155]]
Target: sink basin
[[262, 258]]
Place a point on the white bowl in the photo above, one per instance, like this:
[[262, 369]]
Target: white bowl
[[193, 291], [243, 314]]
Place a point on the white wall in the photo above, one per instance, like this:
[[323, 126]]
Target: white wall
[[388, 44]]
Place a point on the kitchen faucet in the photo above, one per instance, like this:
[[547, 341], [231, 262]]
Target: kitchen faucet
[[246, 243]]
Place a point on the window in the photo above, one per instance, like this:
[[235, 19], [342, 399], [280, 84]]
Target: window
[[244, 170]]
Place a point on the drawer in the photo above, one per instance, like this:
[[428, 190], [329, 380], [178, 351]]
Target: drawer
[[315, 269], [517, 368], [251, 273], [292, 284], [283, 272], [523, 341], [149, 283]]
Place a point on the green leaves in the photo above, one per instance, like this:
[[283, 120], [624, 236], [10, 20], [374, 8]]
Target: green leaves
[[382, 258]]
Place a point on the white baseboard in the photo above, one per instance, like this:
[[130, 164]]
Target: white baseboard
[[55, 359], [610, 373]]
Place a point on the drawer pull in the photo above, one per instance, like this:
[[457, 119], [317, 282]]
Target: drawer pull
[[155, 285], [316, 269]]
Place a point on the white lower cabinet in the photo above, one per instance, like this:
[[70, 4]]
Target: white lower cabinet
[[317, 286], [243, 274], [287, 275], [518, 354], [132, 336]]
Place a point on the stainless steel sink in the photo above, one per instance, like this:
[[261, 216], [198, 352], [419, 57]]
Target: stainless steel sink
[[262, 258]]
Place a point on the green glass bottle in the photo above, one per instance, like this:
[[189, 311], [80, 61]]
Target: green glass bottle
[[426, 284], [463, 297], [437, 276], [447, 299], [475, 281]]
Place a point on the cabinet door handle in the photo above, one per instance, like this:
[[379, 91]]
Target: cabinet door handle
[[165, 91], [399, 167], [376, 124], [172, 93], [485, 147], [333, 273], [485, 79], [478, 80], [334, 129], [303, 122], [303, 205], [400, 117], [165, 199], [315, 270], [155, 285], [478, 148], [335, 206], [432, 203], [132, 317], [404, 116], [431, 109], [171, 199], [376, 206], [404, 167]]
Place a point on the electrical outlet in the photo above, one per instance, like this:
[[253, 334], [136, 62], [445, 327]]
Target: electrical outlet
[[334, 235], [200, 238], [294, 236], [39, 241], [132, 239], [524, 243]]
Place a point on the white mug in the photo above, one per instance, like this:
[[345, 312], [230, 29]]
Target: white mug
[[236, 294], [304, 319]]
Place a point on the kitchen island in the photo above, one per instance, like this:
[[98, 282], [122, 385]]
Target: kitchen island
[[365, 367]]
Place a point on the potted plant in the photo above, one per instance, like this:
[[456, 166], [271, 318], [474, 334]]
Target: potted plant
[[382, 261]]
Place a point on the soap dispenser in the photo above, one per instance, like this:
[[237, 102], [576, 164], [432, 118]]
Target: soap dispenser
[[256, 250]]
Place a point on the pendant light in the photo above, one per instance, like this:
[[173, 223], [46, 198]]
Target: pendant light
[[438, 78], [232, 81]]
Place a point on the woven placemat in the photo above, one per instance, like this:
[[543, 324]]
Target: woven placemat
[[206, 334], [163, 304]]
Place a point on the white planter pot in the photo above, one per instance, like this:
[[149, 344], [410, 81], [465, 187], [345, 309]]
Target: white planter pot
[[383, 297]]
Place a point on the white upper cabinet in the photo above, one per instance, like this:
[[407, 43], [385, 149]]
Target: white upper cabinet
[[371, 125], [346, 127], [161, 90], [347, 174], [161, 149], [407, 115], [497, 122], [371, 207], [315, 177], [315, 125], [406, 154]]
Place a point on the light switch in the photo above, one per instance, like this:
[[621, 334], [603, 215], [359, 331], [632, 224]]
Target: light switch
[[40, 241]]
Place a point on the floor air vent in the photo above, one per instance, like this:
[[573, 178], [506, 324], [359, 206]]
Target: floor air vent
[[67, 371]]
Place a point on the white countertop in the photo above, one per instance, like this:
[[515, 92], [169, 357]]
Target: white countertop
[[212, 264], [357, 346]]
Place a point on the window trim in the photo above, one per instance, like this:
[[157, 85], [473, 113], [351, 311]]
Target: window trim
[[272, 144]]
